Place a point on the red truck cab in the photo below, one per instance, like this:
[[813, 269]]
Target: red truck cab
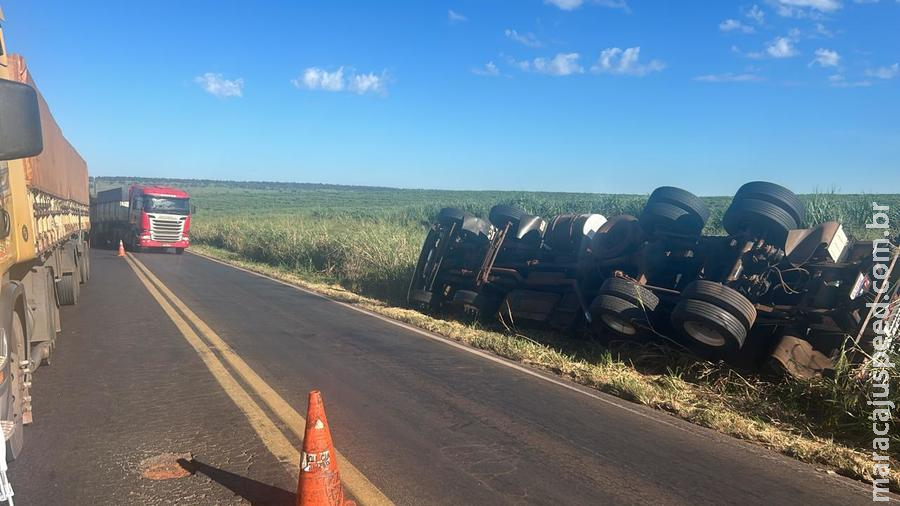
[[160, 217]]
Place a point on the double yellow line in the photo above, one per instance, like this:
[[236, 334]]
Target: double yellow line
[[275, 440]]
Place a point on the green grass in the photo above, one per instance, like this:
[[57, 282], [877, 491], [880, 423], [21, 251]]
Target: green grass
[[366, 241]]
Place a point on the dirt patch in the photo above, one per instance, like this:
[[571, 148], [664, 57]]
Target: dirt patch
[[165, 466]]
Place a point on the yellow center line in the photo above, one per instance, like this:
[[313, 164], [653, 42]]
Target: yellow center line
[[355, 482], [274, 440]]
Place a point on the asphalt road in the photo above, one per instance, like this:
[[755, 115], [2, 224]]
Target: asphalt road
[[423, 421]]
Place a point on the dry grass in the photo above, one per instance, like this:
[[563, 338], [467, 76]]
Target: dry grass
[[706, 394]]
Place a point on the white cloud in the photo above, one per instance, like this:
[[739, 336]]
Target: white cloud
[[455, 17], [728, 77], [563, 64], [781, 47], [805, 8], [528, 39], [569, 5], [367, 83], [218, 86], [756, 14], [489, 69], [614, 60], [888, 72], [730, 25], [826, 58], [315, 78]]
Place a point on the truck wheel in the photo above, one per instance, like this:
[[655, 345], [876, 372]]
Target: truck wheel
[[722, 296], [620, 236], [682, 199], [661, 217], [502, 214], [630, 291], [759, 218], [84, 272], [610, 314], [15, 408], [179, 251], [774, 194], [476, 305], [67, 289], [451, 214], [714, 317]]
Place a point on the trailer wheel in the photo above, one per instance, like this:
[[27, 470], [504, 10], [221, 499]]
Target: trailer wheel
[[682, 199], [67, 289], [774, 194], [620, 236], [611, 314], [476, 305], [724, 297], [84, 267], [419, 298], [16, 399], [466, 221], [630, 291], [760, 218], [661, 217], [451, 214], [502, 214], [710, 328]]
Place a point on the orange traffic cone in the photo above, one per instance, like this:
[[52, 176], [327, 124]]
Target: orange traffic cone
[[121, 248], [320, 482]]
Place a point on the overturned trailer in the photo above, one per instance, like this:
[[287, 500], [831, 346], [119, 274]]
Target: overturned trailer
[[768, 293]]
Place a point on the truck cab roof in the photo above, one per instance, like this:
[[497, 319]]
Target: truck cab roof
[[161, 191]]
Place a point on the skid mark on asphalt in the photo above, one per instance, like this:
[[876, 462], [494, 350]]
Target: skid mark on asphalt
[[353, 480]]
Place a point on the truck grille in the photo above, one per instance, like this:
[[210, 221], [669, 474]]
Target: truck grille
[[168, 229]]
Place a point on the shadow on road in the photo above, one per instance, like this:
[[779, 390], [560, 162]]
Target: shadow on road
[[257, 493]]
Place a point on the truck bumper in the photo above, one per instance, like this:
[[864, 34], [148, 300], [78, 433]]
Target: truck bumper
[[149, 243]]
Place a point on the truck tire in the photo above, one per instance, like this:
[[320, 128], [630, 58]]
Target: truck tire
[[635, 293], [179, 251], [774, 194], [465, 221], [16, 399], [759, 218], [452, 214], [611, 314], [682, 199], [662, 217], [84, 266], [714, 317], [501, 214], [720, 295], [620, 236], [67, 289], [477, 305], [419, 298]]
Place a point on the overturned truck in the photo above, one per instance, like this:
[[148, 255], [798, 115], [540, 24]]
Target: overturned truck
[[768, 293]]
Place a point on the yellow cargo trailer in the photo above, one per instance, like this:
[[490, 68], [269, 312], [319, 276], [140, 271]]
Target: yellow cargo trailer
[[44, 227]]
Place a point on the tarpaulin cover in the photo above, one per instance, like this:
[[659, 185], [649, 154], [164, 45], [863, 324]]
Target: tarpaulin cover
[[59, 170]]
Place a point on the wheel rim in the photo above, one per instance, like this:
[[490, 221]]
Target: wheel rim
[[619, 325], [705, 334]]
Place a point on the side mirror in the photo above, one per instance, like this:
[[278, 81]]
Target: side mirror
[[20, 121]]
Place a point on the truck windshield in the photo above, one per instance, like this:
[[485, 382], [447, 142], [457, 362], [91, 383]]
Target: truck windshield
[[166, 205]]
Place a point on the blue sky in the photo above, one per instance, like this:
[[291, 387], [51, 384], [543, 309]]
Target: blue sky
[[560, 95]]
